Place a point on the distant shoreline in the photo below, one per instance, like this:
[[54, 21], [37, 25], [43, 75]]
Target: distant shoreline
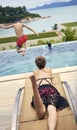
[[34, 19], [29, 19]]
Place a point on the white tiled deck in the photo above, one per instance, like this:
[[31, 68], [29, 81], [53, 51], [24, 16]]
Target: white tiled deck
[[9, 86]]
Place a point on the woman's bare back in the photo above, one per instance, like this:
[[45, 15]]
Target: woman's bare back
[[43, 73]]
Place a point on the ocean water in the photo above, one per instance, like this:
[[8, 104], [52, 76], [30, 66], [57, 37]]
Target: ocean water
[[61, 55], [58, 15]]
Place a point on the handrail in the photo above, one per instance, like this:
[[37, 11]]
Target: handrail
[[14, 124], [71, 96]]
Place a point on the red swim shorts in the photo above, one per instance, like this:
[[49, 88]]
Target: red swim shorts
[[20, 41]]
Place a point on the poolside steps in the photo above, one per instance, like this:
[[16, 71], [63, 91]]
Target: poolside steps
[[28, 119]]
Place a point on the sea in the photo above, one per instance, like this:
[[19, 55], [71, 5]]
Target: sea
[[57, 15]]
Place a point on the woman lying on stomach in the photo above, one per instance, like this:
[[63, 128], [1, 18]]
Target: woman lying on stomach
[[46, 97]]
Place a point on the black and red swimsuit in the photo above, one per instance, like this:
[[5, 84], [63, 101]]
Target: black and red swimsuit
[[50, 95]]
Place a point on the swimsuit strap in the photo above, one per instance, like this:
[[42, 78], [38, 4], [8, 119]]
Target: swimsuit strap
[[43, 79]]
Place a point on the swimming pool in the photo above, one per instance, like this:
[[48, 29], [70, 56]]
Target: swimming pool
[[61, 55]]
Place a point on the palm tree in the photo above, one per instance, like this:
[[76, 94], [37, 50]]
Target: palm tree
[[55, 27], [69, 34]]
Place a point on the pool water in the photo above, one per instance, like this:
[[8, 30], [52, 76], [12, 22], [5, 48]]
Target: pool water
[[61, 55]]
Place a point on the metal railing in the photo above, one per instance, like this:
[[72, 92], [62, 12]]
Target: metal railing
[[15, 120], [72, 99]]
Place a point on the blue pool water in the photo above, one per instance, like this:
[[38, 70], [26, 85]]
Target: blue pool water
[[61, 55]]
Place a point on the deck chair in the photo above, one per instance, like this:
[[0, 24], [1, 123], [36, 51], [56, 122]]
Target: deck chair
[[28, 119]]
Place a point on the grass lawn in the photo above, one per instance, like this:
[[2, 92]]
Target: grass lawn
[[30, 37], [41, 35], [72, 24]]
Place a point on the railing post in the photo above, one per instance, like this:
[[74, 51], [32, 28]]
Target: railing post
[[15, 120], [72, 99]]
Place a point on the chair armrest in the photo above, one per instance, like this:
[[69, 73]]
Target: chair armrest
[[72, 99], [15, 120]]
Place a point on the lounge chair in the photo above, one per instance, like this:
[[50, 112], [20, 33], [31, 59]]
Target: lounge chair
[[28, 119]]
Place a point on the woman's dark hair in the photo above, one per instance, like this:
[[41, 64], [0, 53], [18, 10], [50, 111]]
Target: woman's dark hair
[[40, 62]]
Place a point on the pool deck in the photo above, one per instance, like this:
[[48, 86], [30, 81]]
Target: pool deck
[[9, 86]]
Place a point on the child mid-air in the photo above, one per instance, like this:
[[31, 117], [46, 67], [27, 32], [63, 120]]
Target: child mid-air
[[21, 38]]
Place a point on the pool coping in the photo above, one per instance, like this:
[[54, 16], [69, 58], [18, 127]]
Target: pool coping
[[25, 75]]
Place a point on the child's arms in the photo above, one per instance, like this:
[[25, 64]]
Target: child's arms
[[6, 27], [30, 29]]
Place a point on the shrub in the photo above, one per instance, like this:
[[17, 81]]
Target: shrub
[[3, 48], [70, 34]]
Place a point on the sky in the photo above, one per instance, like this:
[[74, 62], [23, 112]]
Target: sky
[[28, 3]]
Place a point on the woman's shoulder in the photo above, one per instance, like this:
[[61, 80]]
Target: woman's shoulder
[[47, 69], [35, 72], [44, 69]]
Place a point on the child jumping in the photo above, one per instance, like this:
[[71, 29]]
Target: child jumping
[[21, 38]]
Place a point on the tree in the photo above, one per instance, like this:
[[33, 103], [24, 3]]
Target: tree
[[24, 9], [10, 14]]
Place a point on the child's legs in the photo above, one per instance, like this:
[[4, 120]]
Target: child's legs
[[24, 45], [20, 50], [39, 106], [52, 117]]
